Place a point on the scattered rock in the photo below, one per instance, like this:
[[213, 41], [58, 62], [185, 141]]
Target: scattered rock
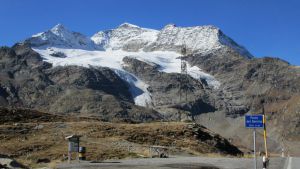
[[43, 160], [38, 127], [9, 163], [58, 54]]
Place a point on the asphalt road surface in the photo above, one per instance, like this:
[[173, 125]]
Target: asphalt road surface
[[293, 163], [183, 163]]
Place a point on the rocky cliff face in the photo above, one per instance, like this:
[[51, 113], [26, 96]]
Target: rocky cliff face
[[251, 81]]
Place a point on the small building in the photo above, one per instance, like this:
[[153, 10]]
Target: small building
[[73, 145]]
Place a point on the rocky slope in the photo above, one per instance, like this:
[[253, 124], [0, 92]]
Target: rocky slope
[[27, 81], [251, 86]]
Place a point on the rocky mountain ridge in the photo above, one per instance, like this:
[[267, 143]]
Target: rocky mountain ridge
[[129, 37]]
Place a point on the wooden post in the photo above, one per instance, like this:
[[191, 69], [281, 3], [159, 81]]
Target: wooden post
[[69, 157]]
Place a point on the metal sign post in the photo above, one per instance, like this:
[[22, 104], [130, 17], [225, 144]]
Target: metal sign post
[[254, 122], [254, 147]]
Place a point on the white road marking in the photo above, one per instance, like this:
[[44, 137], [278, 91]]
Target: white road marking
[[289, 163]]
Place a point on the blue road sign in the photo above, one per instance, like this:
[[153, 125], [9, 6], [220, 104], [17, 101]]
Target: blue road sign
[[254, 121]]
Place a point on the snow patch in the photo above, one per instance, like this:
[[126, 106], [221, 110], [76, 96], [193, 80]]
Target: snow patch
[[126, 24], [197, 73], [138, 88], [38, 34]]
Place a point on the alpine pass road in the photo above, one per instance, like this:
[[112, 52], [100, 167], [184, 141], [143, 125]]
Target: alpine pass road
[[293, 163], [183, 163]]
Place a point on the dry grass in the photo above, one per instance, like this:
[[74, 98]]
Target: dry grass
[[102, 140]]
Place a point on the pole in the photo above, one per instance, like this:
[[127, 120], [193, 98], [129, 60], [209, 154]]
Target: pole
[[254, 147], [69, 152], [78, 149], [265, 135], [265, 128], [69, 157]]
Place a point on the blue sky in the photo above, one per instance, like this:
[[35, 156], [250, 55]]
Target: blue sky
[[264, 27]]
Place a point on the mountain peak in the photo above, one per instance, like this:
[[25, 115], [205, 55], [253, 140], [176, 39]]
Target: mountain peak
[[59, 30], [128, 25], [60, 36], [171, 25], [197, 39], [59, 26]]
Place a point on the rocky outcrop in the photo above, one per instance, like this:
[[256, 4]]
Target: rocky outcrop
[[221, 144], [8, 163], [172, 93]]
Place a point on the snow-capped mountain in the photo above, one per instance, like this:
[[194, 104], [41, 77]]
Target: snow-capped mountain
[[60, 36], [127, 36], [198, 39], [61, 47]]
